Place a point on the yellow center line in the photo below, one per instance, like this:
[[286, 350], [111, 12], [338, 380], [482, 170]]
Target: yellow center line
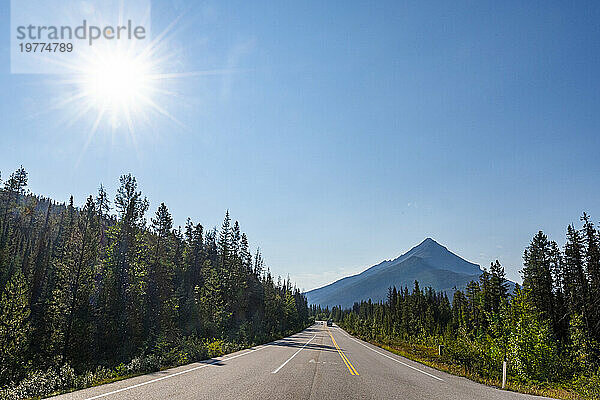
[[343, 356]]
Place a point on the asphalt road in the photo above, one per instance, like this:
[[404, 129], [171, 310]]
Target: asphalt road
[[317, 363]]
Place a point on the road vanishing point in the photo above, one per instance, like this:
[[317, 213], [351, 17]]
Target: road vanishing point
[[318, 363]]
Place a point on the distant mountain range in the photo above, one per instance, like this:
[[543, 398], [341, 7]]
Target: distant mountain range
[[430, 263]]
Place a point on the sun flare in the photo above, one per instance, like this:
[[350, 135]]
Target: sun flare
[[127, 87], [117, 83]]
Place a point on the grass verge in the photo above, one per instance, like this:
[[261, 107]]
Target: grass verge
[[429, 356]]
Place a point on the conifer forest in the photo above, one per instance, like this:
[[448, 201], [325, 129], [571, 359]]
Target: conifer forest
[[94, 291], [547, 329]]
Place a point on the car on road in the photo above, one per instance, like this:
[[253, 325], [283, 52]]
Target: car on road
[[329, 322]]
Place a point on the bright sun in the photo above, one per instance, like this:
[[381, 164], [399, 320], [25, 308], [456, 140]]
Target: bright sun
[[118, 85], [122, 86]]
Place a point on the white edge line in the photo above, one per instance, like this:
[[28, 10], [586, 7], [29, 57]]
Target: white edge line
[[172, 375], [294, 355], [392, 358]]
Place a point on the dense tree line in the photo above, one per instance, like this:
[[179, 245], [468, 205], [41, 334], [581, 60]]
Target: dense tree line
[[548, 329], [100, 285]]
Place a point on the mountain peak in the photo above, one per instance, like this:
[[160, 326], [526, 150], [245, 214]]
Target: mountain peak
[[429, 241], [440, 257], [429, 262]]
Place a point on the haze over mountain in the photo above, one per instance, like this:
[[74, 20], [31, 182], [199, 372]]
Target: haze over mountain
[[430, 263]]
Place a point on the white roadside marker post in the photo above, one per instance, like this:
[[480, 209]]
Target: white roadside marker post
[[503, 374]]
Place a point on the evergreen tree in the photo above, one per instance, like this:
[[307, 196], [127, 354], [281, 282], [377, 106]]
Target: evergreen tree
[[575, 281], [225, 241], [498, 286], [592, 264], [124, 252], [103, 211], [14, 187], [14, 329], [537, 275], [71, 295], [159, 309]]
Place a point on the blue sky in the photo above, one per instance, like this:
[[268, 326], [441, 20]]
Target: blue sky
[[347, 132]]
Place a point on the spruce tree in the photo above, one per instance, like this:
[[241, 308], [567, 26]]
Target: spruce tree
[[498, 286], [537, 274], [72, 294], [575, 281], [592, 266], [160, 275], [14, 329]]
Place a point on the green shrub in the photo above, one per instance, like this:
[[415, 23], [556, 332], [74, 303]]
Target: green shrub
[[479, 357], [141, 364], [42, 383], [194, 349], [588, 386], [215, 348]]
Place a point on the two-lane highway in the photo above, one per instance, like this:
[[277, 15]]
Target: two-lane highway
[[318, 363]]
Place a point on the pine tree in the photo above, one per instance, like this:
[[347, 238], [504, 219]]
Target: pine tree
[[14, 188], [537, 274], [245, 255], [258, 264], [71, 296], [498, 286], [103, 211], [474, 314], [225, 241], [159, 309], [14, 329], [575, 281], [486, 301], [592, 266], [122, 259]]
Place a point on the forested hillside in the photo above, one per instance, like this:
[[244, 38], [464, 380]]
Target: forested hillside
[[94, 292], [548, 330]]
